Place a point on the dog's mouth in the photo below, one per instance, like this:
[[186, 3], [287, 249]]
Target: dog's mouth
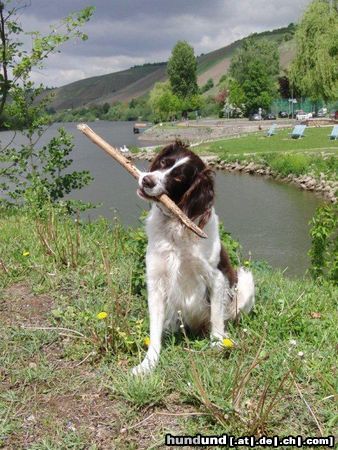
[[144, 196]]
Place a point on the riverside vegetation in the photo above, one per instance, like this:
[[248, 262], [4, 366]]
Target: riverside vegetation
[[74, 321]]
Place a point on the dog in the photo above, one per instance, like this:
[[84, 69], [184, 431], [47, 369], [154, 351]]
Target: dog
[[189, 279]]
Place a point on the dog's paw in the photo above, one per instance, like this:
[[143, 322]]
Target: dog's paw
[[221, 342], [216, 344], [216, 341], [142, 369]]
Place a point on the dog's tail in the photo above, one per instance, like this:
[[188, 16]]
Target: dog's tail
[[244, 296]]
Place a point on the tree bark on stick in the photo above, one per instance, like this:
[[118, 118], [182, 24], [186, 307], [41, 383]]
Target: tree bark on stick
[[117, 155]]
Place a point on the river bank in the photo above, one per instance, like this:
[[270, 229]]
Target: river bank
[[325, 187], [310, 163], [197, 131]]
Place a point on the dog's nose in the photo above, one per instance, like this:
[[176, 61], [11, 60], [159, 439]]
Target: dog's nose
[[148, 182]]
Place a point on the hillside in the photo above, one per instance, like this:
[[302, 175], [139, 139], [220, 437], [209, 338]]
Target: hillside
[[138, 80]]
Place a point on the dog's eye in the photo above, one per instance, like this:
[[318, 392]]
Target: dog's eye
[[163, 163], [178, 178]]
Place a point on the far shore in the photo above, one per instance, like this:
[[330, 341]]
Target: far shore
[[202, 130]]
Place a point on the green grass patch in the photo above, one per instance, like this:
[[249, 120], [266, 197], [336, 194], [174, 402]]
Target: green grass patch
[[314, 154], [315, 140], [65, 371]]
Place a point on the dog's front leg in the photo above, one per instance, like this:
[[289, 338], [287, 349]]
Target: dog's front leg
[[218, 297], [156, 305]]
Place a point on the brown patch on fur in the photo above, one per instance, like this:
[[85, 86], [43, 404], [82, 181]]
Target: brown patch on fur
[[199, 198], [191, 185], [226, 268]]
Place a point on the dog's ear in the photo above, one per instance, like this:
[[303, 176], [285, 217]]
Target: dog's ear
[[199, 198]]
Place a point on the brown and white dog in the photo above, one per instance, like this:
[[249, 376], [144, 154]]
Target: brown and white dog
[[188, 278]]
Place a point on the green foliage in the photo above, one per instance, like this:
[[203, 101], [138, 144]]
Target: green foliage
[[136, 246], [209, 107], [182, 67], [163, 102], [192, 103], [39, 175], [137, 109], [251, 52], [324, 247], [231, 246], [237, 96], [17, 62], [255, 67], [29, 171], [208, 85], [314, 70]]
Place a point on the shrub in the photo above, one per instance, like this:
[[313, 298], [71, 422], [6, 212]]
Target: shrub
[[324, 248]]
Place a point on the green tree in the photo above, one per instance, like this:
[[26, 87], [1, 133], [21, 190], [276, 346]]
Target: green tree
[[255, 68], [182, 70], [23, 106], [259, 88], [236, 94], [163, 102], [253, 50], [314, 70]]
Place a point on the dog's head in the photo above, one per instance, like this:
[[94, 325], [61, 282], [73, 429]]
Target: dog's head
[[183, 176]]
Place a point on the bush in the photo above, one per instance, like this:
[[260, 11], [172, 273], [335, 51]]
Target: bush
[[324, 248]]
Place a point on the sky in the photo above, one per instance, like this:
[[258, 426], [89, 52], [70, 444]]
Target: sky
[[124, 33]]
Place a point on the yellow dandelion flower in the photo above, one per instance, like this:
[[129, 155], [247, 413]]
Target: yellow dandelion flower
[[146, 341], [247, 263], [228, 343], [25, 253], [102, 315]]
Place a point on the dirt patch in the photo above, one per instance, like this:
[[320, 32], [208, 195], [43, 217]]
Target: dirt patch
[[91, 413], [70, 398], [88, 413], [205, 130], [19, 306], [156, 423]]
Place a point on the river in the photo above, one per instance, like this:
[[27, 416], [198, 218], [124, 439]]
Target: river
[[269, 219]]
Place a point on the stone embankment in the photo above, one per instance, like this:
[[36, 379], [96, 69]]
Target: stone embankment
[[327, 188]]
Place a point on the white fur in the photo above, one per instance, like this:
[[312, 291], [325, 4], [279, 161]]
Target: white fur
[[159, 177], [183, 280]]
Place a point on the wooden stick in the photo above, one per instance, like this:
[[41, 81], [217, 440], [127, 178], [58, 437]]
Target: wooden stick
[[164, 199]]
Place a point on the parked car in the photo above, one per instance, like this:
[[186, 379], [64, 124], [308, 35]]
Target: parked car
[[322, 112], [283, 114], [301, 115], [255, 116], [269, 116]]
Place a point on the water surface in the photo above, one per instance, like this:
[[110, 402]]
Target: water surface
[[269, 219]]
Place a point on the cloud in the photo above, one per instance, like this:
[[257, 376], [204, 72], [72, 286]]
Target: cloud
[[123, 33]]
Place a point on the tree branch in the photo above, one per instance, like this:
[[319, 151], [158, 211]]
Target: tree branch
[[164, 199]]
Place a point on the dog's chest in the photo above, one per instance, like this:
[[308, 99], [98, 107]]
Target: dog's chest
[[181, 269]]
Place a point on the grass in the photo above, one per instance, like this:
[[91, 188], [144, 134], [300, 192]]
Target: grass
[[315, 140], [314, 154], [65, 373]]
